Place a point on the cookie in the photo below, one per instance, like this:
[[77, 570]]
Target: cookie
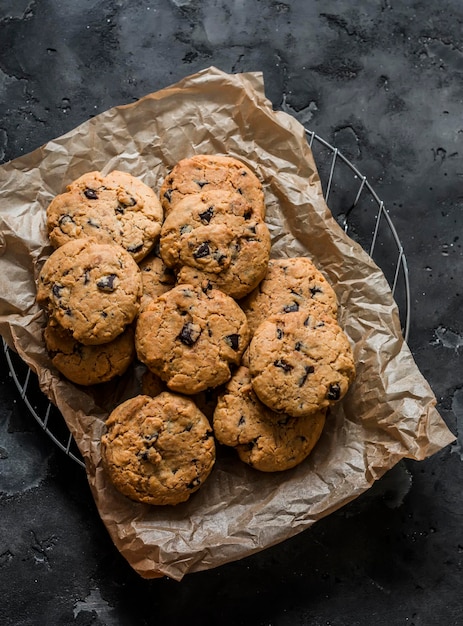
[[289, 284], [249, 259], [90, 289], [265, 440], [156, 277], [114, 208], [211, 171], [89, 365], [158, 450], [205, 228], [300, 362], [190, 338]]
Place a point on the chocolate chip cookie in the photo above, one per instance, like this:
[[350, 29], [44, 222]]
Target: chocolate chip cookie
[[289, 284], [248, 262], [89, 365], [91, 289], [190, 338], [116, 208], [264, 439], [158, 450], [214, 234], [211, 171], [300, 362]]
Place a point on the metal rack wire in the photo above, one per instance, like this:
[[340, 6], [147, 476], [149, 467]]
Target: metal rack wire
[[356, 207]]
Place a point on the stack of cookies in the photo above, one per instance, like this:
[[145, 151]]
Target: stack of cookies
[[238, 349]]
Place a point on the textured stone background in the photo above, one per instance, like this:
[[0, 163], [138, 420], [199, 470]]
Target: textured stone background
[[381, 80]]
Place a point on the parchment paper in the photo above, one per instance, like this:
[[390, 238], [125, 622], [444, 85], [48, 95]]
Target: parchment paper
[[389, 412]]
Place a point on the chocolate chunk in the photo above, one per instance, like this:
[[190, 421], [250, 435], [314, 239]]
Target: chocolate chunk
[[282, 364], [135, 248], [91, 194], [220, 258], [64, 220], [334, 392], [207, 215], [56, 290], [202, 251], [189, 334], [106, 283], [291, 308], [233, 341], [248, 215], [308, 369]]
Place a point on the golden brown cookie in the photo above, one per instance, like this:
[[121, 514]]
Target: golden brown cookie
[[300, 362], [116, 208], [211, 171], [249, 258], [90, 289], [289, 284], [264, 439], [215, 234], [156, 277], [89, 365], [190, 338], [158, 450]]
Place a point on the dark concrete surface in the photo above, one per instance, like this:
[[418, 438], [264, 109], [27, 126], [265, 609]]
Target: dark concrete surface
[[380, 79]]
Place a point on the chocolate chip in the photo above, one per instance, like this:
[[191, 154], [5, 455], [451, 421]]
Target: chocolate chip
[[104, 314], [64, 220], [241, 421], [186, 228], [194, 483], [135, 248], [233, 341], [86, 277], [334, 392], [91, 194], [239, 191], [56, 290], [298, 346], [202, 251], [201, 183], [282, 364], [168, 195], [308, 369], [220, 258], [291, 308], [189, 334], [106, 283], [315, 290], [91, 222], [207, 215], [280, 333], [120, 209], [248, 215]]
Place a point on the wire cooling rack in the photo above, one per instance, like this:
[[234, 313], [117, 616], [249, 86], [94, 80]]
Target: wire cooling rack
[[355, 206]]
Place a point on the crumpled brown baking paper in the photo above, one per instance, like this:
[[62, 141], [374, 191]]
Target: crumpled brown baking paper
[[388, 414]]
